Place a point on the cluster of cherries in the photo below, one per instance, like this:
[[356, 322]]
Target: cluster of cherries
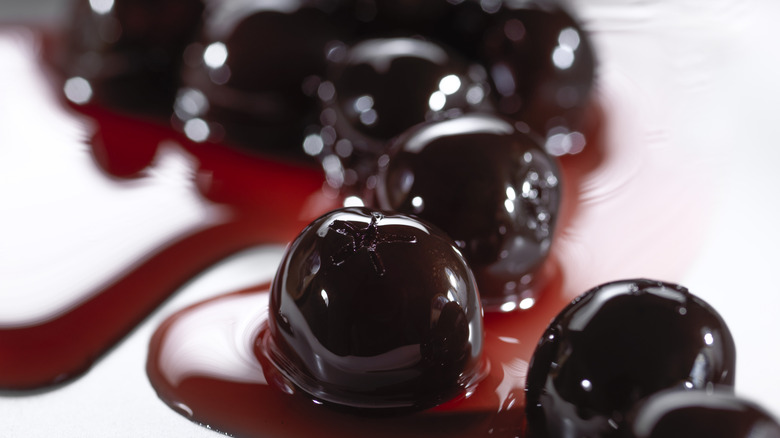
[[380, 311], [443, 116], [436, 108]]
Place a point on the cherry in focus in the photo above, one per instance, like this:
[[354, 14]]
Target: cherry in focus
[[371, 310]]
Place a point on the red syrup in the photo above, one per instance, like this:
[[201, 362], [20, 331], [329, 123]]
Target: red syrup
[[205, 364], [247, 201]]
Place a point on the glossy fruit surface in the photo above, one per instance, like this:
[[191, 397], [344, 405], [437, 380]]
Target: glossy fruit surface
[[684, 414], [490, 187], [372, 310], [617, 344], [541, 63], [384, 86], [393, 16], [248, 81]]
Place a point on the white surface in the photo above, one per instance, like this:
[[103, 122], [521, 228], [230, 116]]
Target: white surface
[[115, 399], [724, 102], [708, 71], [88, 209], [737, 269]]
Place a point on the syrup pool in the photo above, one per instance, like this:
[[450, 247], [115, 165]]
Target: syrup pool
[[203, 364], [641, 200]]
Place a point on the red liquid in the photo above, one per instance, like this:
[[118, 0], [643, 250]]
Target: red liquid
[[256, 201], [202, 363]]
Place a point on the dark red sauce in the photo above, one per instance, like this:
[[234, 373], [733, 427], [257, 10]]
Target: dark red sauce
[[257, 201], [202, 364]]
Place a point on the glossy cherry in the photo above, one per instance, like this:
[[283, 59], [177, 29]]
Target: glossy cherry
[[251, 78], [464, 23], [617, 344], [492, 188], [394, 16], [684, 414], [380, 87], [542, 64], [372, 310]]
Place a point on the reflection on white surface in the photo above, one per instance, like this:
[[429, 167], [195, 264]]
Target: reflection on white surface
[[512, 385], [216, 341], [60, 214]]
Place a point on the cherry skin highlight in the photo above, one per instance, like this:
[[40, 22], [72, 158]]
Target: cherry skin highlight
[[373, 310], [378, 88], [683, 414], [248, 80], [493, 189], [617, 344], [542, 65]]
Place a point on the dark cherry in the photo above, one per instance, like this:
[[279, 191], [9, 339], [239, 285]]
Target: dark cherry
[[372, 310], [390, 16], [464, 23], [685, 414], [456, 23], [492, 188], [129, 51], [541, 64], [251, 79], [453, 23], [380, 87], [617, 344]]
